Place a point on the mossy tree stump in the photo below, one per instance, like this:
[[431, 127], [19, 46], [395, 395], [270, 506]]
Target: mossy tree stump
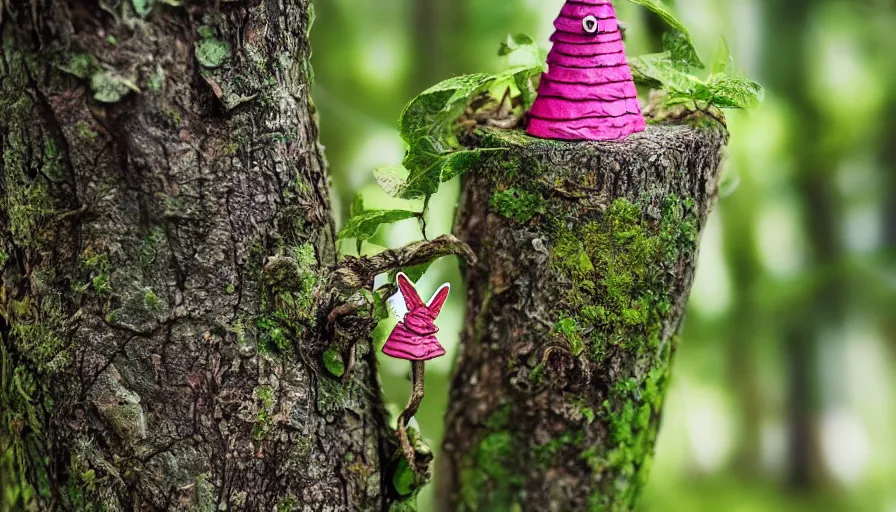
[[586, 258]]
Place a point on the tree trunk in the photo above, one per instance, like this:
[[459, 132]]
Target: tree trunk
[[167, 258], [587, 254], [786, 58]]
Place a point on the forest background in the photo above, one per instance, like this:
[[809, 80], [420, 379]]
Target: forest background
[[784, 389]]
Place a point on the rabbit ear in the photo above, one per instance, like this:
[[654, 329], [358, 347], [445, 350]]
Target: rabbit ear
[[411, 297], [438, 299]]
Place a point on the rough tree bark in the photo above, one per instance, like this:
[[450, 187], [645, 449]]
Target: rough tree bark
[[167, 256], [587, 254]]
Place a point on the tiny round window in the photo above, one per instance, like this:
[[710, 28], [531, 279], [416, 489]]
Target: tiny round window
[[590, 25]]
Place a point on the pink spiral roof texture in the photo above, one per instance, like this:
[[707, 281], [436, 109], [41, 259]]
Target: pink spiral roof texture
[[588, 92]]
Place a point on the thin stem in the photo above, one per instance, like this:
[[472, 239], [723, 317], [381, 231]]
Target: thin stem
[[423, 216], [417, 380]]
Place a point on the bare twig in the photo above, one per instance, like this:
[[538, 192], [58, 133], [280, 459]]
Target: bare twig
[[354, 272], [417, 370], [341, 311]]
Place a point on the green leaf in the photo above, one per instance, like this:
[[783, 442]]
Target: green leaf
[[522, 51], [722, 91], [425, 167], [392, 179], [365, 225], [380, 308], [108, 87], [513, 43], [414, 272], [355, 209], [357, 206], [681, 50], [668, 16], [403, 480], [427, 112], [431, 113], [722, 63], [735, 92], [333, 362], [423, 162], [459, 162], [426, 124], [530, 58], [527, 88], [142, 7], [729, 90], [212, 53], [659, 69]]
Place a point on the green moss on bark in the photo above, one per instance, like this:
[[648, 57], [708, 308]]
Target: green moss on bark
[[34, 346], [620, 298], [488, 476], [631, 411], [289, 298], [488, 479], [619, 269], [575, 303], [264, 418], [517, 205]]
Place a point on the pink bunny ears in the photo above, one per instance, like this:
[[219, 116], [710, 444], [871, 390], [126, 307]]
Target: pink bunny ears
[[414, 337], [412, 298]]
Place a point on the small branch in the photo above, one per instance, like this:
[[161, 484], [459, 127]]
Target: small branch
[[354, 272], [341, 311], [417, 371]]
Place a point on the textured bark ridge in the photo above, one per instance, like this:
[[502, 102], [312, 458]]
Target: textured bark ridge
[[586, 257], [167, 250]]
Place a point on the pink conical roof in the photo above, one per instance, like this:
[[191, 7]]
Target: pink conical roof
[[588, 92]]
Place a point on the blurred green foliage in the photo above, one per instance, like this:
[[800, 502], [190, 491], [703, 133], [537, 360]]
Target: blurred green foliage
[[784, 392]]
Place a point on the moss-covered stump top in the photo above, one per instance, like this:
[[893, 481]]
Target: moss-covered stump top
[[679, 159], [586, 256]]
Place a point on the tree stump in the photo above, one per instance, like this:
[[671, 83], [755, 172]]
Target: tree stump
[[586, 258]]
